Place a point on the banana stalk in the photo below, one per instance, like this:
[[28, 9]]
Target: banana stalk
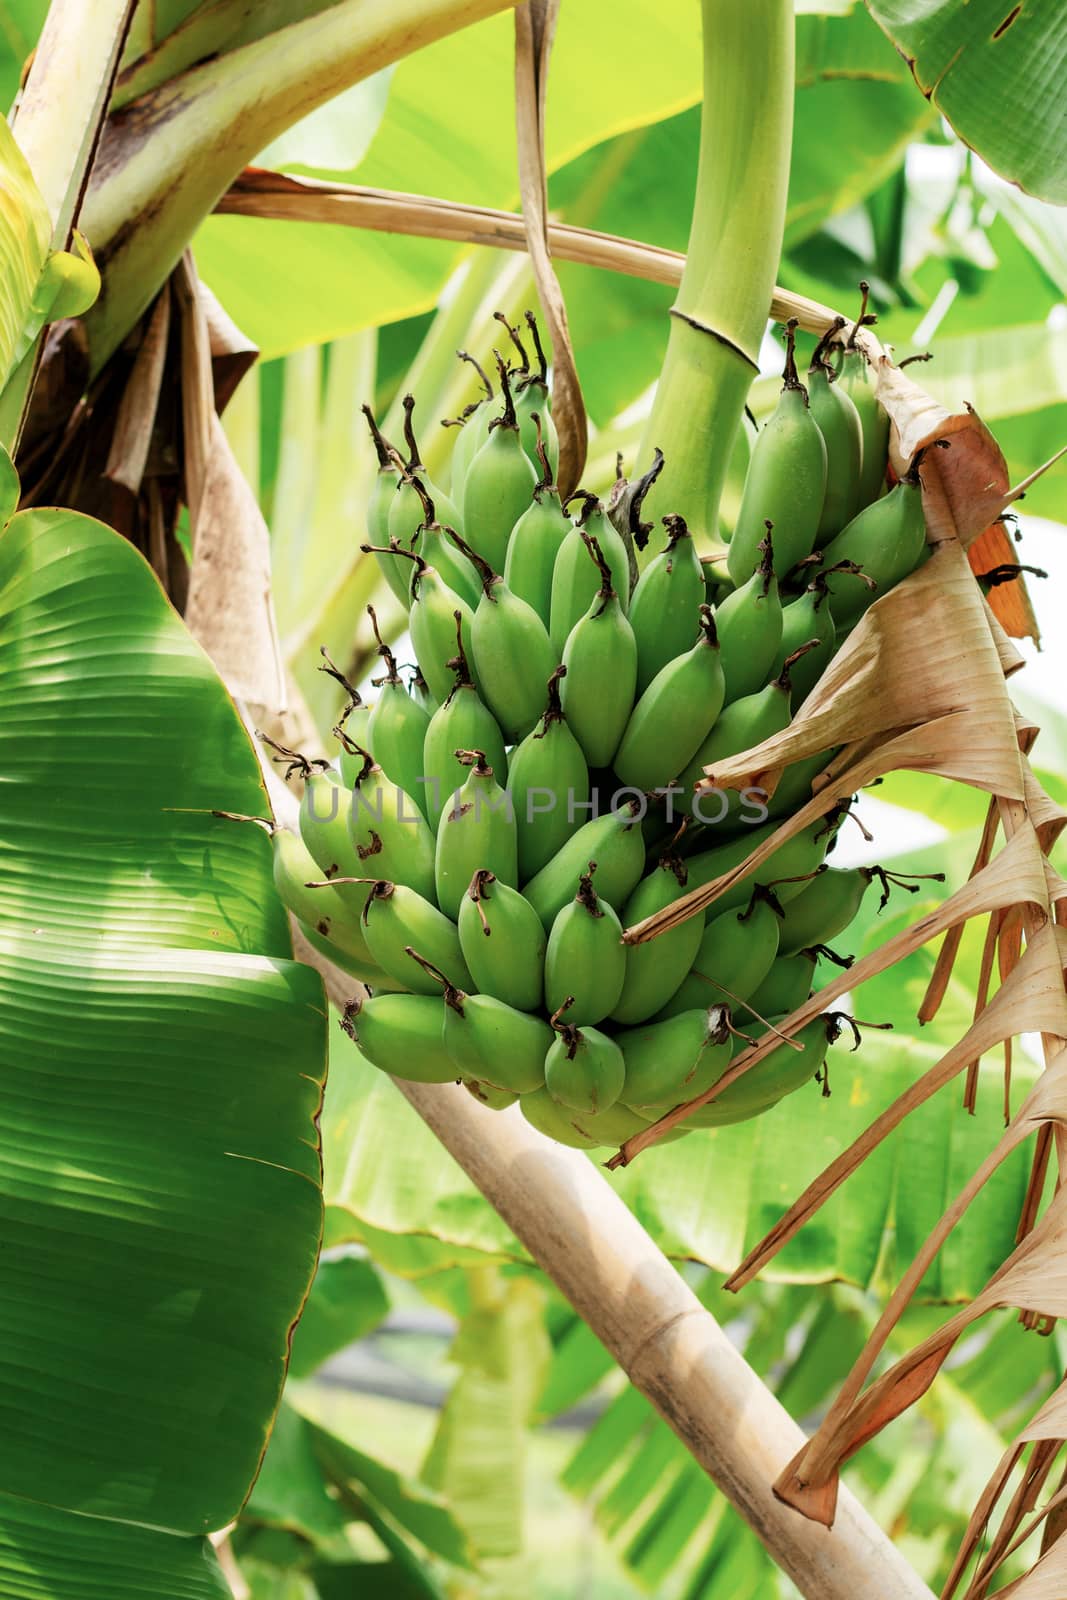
[[735, 242]]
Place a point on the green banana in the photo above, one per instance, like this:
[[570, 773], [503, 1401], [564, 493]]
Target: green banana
[[419, 690], [655, 969], [489, 1040], [536, 540], [396, 917], [512, 653], [461, 722], [486, 1095], [402, 1034], [554, 1121], [735, 954], [585, 962], [547, 781], [614, 841], [823, 909], [531, 393], [600, 656], [741, 725], [613, 1126], [584, 1069], [807, 617], [785, 483], [473, 425], [478, 831], [675, 714], [671, 1061], [787, 985], [367, 972], [498, 485], [397, 726], [324, 910], [856, 381], [783, 1071], [749, 625], [390, 836], [574, 578], [432, 621], [407, 512], [437, 548], [839, 423], [665, 601], [885, 541], [379, 504], [503, 942], [797, 858], [324, 820]]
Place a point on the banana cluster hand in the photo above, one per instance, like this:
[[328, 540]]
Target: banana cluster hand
[[490, 828]]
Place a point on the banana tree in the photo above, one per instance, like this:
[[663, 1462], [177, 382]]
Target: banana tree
[[150, 902]]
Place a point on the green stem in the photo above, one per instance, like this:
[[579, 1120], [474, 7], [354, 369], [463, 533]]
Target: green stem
[[166, 159], [734, 244]]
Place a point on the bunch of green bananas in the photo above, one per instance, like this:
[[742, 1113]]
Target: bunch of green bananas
[[488, 831]]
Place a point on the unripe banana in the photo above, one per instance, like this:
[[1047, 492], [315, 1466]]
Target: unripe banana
[[477, 832], [554, 1121], [600, 656], [585, 963], [668, 1062], [741, 727], [389, 834], [498, 485], [461, 722], [396, 917], [857, 383], [432, 621], [615, 1125], [489, 1040], [511, 653], [419, 690], [796, 785], [532, 397], [536, 540], [547, 780], [325, 811], [325, 910], [402, 1034], [368, 972], [665, 601], [435, 544], [675, 714], [584, 1069], [486, 1095], [407, 511], [839, 423], [885, 541], [503, 942], [805, 618], [823, 909], [749, 625], [397, 726], [787, 985], [785, 483], [655, 969], [472, 429], [736, 951], [379, 504], [797, 857], [575, 580], [783, 1071], [614, 841]]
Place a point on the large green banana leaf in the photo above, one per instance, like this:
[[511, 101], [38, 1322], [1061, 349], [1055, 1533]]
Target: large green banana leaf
[[995, 69], [161, 1069]]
